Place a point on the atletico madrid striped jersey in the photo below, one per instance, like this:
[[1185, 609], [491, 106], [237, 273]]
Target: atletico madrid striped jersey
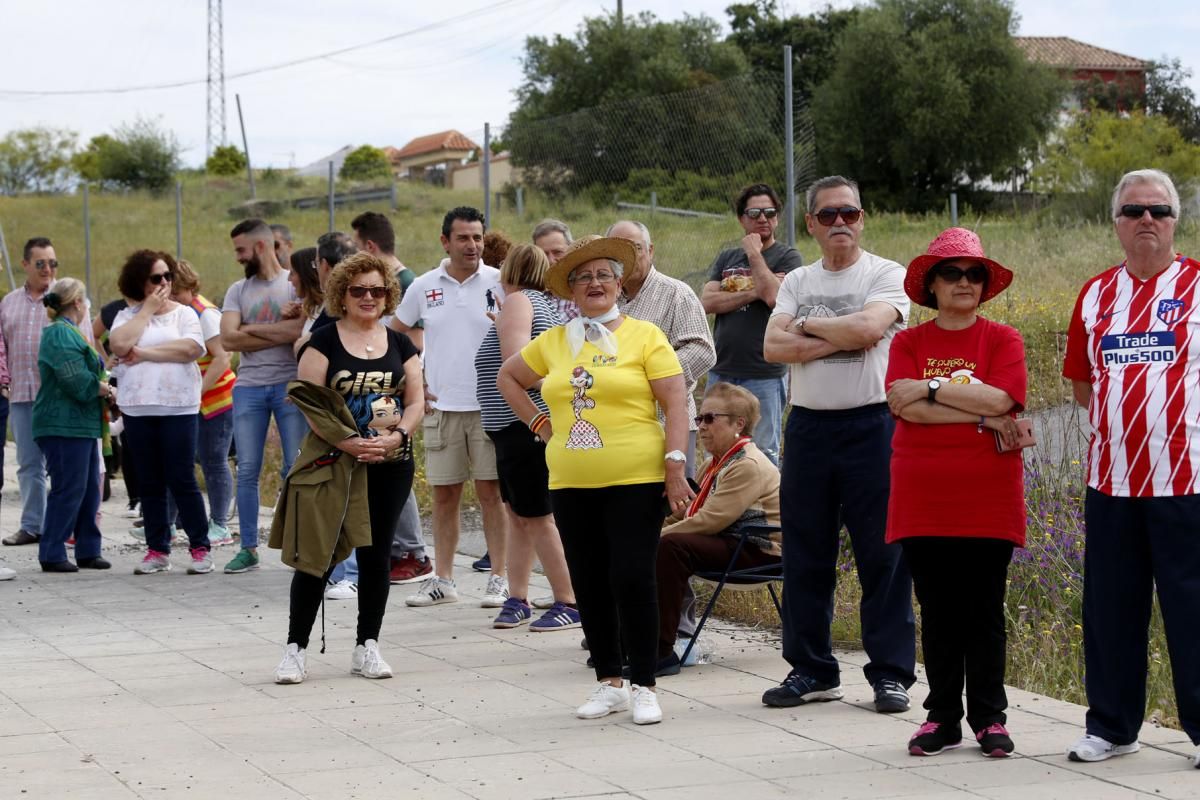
[[1138, 344]]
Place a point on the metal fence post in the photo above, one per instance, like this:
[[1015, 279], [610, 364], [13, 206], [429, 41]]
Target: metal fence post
[[178, 220], [487, 174], [789, 145], [87, 243], [245, 146], [954, 209], [520, 202], [653, 202], [8, 265], [331, 197], [395, 202]]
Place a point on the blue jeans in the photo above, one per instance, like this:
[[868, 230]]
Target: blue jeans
[[31, 469], [212, 450], [165, 451], [252, 410], [772, 395], [346, 570], [408, 537], [74, 466]]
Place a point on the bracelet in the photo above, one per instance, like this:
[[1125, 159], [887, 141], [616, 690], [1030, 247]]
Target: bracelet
[[538, 421]]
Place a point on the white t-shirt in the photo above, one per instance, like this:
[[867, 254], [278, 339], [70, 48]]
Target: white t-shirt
[[161, 389], [210, 323], [846, 379], [455, 319]]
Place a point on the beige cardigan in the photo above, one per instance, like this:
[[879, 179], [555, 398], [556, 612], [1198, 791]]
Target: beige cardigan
[[746, 491]]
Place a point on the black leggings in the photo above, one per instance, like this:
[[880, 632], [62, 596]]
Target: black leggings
[[610, 536], [388, 486]]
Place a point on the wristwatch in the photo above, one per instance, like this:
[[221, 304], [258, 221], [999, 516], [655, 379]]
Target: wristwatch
[[934, 385], [677, 456]]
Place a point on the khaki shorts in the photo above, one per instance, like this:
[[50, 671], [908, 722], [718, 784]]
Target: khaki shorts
[[456, 448]]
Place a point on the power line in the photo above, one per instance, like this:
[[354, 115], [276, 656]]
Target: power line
[[270, 67]]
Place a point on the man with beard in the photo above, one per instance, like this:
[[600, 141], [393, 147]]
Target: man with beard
[[252, 324]]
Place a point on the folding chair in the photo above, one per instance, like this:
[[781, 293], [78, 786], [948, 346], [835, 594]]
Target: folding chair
[[739, 579]]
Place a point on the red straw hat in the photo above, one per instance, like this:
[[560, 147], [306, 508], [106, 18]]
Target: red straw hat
[[949, 244]]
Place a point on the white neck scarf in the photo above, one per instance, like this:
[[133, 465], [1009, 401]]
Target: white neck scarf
[[593, 329]]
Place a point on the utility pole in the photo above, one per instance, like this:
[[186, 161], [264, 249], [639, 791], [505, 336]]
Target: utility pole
[[620, 14], [215, 135]]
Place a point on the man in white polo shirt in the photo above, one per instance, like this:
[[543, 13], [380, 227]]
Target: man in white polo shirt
[[451, 302]]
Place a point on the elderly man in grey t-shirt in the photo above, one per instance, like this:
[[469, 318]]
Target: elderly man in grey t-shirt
[[253, 325]]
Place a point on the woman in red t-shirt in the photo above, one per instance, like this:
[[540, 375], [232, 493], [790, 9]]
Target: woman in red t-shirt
[[957, 504]]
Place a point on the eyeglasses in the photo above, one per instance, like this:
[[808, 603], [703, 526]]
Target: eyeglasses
[[755, 213], [158, 277], [709, 417], [828, 216], [42, 264], [377, 292], [586, 278], [1136, 210], [975, 274]]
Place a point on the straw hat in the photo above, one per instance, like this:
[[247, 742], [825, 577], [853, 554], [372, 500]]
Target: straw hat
[[949, 244], [583, 250]]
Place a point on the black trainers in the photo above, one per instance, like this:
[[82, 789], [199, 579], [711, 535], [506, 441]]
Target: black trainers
[[797, 689], [891, 697], [934, 737], [484, 564], [994, 741]]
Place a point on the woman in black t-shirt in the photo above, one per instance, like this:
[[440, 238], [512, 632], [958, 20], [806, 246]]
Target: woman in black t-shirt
[[378, 372]]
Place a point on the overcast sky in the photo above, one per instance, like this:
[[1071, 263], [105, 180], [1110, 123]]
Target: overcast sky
[[451, 68]]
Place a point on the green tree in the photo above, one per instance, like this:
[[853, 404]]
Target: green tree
[[35, 160], [760, 33], [929, 95], [138, 155], [1168, 94], [1089, 156], [225, 160], [366, 163]]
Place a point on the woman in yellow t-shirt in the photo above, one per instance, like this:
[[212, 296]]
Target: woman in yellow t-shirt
[[602, 375]]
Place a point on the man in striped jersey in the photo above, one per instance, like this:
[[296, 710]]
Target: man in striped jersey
[[1133, 357]]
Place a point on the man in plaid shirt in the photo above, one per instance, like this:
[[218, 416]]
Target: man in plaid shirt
[[22, 317]]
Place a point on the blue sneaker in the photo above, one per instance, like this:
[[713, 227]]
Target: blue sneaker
[[559, 617], [482, 565], [797, 689], [514, 612]]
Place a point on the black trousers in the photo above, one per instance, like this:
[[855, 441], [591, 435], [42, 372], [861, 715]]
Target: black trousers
[[836, 470], [962, 632], [1136, 545], [610, 537], [388, 485]]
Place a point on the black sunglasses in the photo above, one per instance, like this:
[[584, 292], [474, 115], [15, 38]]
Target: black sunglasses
[[975, 274], [42, 263], [708, 418], [377, 292], [1157, 211], [755, 213], [158, 277], [828, 216]]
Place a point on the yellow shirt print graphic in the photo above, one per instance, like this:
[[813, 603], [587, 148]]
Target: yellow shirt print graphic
[[584, 435]]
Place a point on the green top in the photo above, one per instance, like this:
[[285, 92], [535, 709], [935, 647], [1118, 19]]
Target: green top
[[68, 403]]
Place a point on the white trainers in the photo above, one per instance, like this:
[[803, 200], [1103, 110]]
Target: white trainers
[[152, 563], [6, 573], [291, 669], [496, 592], [367, 662], [133, 511], [1196, 759], [433, 591], [342, 590], [646, 710], [202, 562], [542, 602], [605, 699], [1093, 748]]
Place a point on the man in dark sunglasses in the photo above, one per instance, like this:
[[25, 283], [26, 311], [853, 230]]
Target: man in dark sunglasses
[[833, 325], [740, 291], [1132, 361], [22, 317]]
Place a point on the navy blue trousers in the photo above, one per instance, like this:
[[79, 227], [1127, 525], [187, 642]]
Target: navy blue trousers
[[1135, 544], [74, 469], [836, 470]]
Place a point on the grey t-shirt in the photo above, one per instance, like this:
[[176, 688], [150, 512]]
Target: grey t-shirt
[[260, 303], [739, 334]]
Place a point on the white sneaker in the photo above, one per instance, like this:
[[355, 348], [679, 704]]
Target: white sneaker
[[342, 590], [646, 710], [543, 602], [496, 592], [1196, 759], [605, 699], [6, 573], [433, 591], [1093, 748], [291, 668], [366, 661], [133, 512]]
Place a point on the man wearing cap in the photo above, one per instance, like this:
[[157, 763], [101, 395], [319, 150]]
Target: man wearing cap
[[833, 325], [740, 292], [669, 303], [1133, 362]]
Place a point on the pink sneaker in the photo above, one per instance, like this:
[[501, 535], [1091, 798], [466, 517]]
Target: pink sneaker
[[153, 562], [202, 562]]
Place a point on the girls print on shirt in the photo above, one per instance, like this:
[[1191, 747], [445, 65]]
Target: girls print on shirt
[[584, 435]]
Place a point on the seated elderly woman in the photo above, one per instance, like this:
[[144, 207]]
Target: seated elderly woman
[[739, 486]]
